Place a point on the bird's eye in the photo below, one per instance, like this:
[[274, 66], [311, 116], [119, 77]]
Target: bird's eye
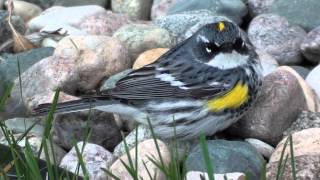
[[210, 48]]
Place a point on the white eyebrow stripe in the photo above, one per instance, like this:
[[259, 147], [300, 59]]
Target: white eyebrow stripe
[[203, 39]]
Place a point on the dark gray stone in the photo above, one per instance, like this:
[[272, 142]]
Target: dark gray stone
[[257, 7], [44, 4], [310, 46], [68, 3], [227, 157], [233, 9], [5, 30], [104, 130], [302, 71], [303, 13]]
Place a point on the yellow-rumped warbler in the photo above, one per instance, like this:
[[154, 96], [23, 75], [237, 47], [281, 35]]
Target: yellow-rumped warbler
[[202, 85]]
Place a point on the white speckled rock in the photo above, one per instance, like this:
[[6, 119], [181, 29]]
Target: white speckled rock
[[274, 35], [184, 24], [94, 20], [95, 158], [232, 9], [313, 79]]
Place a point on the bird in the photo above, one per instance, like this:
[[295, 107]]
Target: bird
[[203, 85]]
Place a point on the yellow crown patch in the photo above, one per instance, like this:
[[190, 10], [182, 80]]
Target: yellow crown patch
[[221, 26]]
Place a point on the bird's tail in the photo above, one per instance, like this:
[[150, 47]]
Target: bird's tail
[[67, 107]]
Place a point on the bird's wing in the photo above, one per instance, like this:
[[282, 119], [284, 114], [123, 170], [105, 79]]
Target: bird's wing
[[171, 77]]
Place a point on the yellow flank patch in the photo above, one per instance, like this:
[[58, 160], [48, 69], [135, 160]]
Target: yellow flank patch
[[233, 99], [221, 26]]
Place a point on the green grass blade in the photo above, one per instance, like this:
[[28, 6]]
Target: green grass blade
[[109, 173], [49, 120], [131, 169], [293, 166], [206, 157], [155, 142], [136, 152], [281, 159], [6, 95], [81, 161], [31, 162], [147, 169]]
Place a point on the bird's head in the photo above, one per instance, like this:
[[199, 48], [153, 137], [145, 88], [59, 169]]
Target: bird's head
[[221, 44]]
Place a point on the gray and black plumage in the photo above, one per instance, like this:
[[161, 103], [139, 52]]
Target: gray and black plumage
[[202, 85]]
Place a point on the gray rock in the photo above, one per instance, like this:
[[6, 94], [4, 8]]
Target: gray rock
[[144, 133], [280, 102], [20, 125], [5, 30], [145, 168], [302, 71], [268, 63], [233, 9], [95, 158], [160, 8], [135, 9], [68, 3], [310, 46], [140, 37], [257, 7], [263, 148], [179, 24], [1, 4], [227, 157], [305, 120], [104, 130], [273, 34], [87, 53], [35, 142], [9, 70], [302, 13], [313, 79]]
